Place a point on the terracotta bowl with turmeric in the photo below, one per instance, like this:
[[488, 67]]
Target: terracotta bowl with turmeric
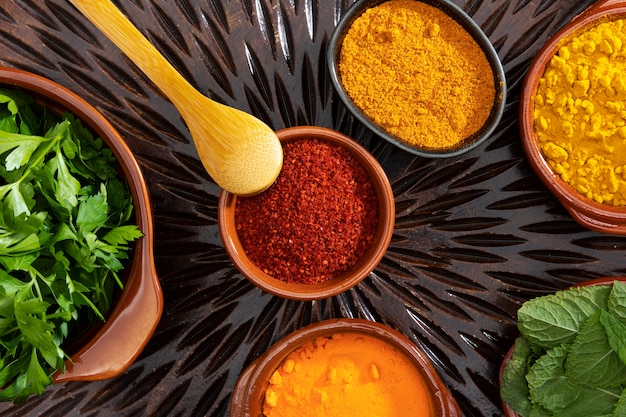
[[574, 134], [420, 74], [342, 367], [321, 228]]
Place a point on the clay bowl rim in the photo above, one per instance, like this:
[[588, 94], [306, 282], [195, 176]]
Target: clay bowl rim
[[455, 12], [344, 281], [252, 382], [508, 411], [136, 313], [595, 216]]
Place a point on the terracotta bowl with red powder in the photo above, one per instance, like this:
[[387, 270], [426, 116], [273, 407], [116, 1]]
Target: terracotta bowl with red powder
[[321, 228]]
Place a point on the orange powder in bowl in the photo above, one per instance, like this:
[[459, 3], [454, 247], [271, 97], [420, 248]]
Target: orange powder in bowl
[[349, 375], [417, 73]]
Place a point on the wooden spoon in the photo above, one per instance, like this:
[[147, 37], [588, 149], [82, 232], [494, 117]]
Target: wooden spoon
[[241, 153]]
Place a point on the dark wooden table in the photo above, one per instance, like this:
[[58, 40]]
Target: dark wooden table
[[475, 235]]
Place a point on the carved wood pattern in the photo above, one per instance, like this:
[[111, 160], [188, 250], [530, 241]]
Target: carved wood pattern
[[476, 235]]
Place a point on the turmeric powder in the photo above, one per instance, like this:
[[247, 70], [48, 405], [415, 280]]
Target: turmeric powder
[[417, 73], [347, 375], [580, 112]]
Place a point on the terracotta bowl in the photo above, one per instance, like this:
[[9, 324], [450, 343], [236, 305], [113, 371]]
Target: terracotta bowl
[[593, 215], [508, 411], [112, 347], [248, 395], [344, 281], [452, 10]]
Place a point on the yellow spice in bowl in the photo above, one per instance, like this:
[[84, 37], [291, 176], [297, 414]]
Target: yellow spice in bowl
[[347, 375], [417, 73], [580, 112]]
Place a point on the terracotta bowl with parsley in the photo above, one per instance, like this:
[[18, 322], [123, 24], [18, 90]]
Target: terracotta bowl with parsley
[[77, 274], [570, 357]]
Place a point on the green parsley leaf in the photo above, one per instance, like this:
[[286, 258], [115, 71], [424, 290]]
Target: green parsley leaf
[[66, 229]]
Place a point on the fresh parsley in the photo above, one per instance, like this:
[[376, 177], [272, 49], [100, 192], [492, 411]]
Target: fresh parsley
[[66, 225], [570, 357]]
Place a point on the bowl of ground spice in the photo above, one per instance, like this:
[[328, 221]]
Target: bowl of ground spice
[[341, 368], [420, 74], [322, 226], [573, 117]]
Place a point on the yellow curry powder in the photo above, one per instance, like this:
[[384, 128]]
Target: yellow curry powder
[[417, 73], [347, 375], [580, 113]]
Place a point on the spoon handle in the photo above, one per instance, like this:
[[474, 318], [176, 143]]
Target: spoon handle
[[115, 25]]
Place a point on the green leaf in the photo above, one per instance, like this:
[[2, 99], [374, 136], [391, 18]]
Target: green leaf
[[8, 374], [554, 319], [617, 300], [616, 334], [514, 388], [620, 407], [14, 200], [60, 195], [36, 377], [551, 389], [92, 213], [24, 245], [547, 383], [122, 235], [591, 361], [67, 187]]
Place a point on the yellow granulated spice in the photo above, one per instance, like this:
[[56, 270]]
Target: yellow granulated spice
[[347, 375], [417, 73], [580, 112]]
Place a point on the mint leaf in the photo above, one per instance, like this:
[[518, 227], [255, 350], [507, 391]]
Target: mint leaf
[[514, 388], [617, 300], [616, 334], [551, 389], [620, 407], [547, 383], [590, 360], [554, 319]]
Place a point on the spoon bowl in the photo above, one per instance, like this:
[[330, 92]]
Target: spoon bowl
[[240, 152]]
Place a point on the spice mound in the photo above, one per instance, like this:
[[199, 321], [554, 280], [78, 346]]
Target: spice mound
[[315, 221], [417, 73], [347, 375], [580, 113]]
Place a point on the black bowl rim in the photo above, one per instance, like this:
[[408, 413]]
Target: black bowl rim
[[479, 36]]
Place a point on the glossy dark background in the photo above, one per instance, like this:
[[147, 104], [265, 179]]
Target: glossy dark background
[[475, 235]]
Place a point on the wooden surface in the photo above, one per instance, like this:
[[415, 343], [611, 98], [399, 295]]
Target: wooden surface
[[475, 235]]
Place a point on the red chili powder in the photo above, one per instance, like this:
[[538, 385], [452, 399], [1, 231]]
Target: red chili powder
[[315, 221]]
